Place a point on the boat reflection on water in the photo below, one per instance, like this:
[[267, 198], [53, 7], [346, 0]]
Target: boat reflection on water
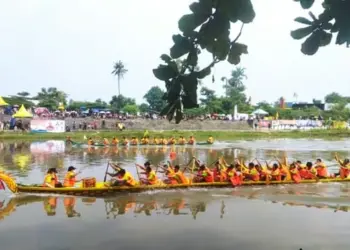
[[147, 205]]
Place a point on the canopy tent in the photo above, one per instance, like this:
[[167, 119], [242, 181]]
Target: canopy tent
[[2, 102], [61, 106], [22, 113], [260, 112]]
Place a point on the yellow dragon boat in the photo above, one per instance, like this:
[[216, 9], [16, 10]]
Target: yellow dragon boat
[[101, 190]]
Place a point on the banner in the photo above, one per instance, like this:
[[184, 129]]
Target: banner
[[47, 126]]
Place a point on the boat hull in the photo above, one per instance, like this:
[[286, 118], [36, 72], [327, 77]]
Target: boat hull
[[77, 144], [109, 191]]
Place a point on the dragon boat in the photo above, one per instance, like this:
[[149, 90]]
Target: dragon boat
[[83, 144], [102, 189]]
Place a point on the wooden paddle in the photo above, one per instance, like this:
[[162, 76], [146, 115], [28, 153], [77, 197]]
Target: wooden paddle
[[138, 174], [104, 179]]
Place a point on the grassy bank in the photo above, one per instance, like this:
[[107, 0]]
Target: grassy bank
[[199, 135]]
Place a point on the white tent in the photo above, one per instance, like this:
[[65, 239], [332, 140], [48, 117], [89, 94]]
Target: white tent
[[260, 112]]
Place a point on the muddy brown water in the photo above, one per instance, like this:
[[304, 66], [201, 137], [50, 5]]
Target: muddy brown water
[[303, 216]]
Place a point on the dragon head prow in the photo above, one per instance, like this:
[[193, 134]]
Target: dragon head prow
[[9, 181]]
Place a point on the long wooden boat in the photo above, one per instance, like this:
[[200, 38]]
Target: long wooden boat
[[83, 144], [101, 190]]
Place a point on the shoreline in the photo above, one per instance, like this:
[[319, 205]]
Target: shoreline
[[200, 135]]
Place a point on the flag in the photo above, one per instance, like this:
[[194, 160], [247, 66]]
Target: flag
[[2, 185]]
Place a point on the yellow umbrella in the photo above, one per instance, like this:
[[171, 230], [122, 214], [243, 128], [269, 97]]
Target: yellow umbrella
[[277, 116], [2, 102], [61, 106], [22, 113]]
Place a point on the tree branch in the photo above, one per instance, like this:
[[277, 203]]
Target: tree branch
[[239, 34]]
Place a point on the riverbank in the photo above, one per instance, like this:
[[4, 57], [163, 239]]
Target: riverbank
[[223, 135]]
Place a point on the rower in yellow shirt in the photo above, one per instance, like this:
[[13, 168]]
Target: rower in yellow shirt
[[182, 140], [144, 141], [210, 140], [122, 178], [115, 141]]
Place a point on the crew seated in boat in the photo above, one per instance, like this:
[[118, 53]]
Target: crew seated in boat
[[51, 180], [181, 141], [253, 174], [125, 141], [115, 141], [105, 141], [163, 141], [210, 140], [171, 141], [308, 172], [276, 173], [295, 175], [134, 141], [151, 177], [144, 141], [204, 174], [344, 170], [70, 177], [170, 175], [191, 141], [122, 178], [219, 172], [180, 176], [155, 141], [321, 168], [90, 142]]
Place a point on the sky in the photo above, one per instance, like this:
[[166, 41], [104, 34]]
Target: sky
[[73, 44]]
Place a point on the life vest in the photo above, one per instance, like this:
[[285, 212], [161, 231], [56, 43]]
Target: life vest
[[134, 142], [344, 171], [305, 174], [49, 179], [191, 141], [171, 177], [220, 174], [182, 141], [125, 142], [155, 141], [181, 178], [322, 170], [152, 177], [69, 179], [144, 141], [254, 174], [105, 141], [115, 142], [207, 175], [276, 174], [164, 142], [295, 175], [91, 142], [129, 179], [210, 140]]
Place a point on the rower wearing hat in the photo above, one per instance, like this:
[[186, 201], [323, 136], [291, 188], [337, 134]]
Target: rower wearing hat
[[70, 177]]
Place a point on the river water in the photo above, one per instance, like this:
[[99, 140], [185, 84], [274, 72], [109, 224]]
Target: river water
[[274, 217]]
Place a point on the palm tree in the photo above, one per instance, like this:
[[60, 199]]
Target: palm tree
[[119, 70]]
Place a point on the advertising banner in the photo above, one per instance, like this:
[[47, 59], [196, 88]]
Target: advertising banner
[[47, 126]]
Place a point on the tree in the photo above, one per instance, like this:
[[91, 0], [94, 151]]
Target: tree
[[208, 27], [119, 70], [131, 109], [335, 19], [208, 94], [336, 98], [267, 107], [51, 98], [144, 108], [154, 97], [119, 102], [23, 94]]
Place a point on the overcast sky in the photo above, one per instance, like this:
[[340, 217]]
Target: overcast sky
[[72, 45]]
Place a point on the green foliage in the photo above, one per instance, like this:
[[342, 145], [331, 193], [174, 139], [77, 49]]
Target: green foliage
[[76, 105], [335, 19], [131, 109], [18, 100], [23, 94], [119, 102], [144, 107], [208, 28], [154, 97], [51, 97], [336, 98]]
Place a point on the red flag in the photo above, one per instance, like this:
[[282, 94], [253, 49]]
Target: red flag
[[2, 186]]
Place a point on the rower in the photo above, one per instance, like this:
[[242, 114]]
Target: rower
[[295, 173], [171, 141], [70, 177], [182, 140], [219, 172], [344, 170], [122, 178], [170, 174], [155, 141], [105, 141], [276, 173], [164, 141], [68, 139], [125, 141], [134, 141], [115, 141], [179, 175], [321, 168], [210, 140], [144, 141], [191, 141], [204, 174], [91, 142], [49, 180], [151, 177], [309, 172], [253, 174]]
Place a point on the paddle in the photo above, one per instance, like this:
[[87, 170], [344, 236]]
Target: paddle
[[105, 178], [138, 174]]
